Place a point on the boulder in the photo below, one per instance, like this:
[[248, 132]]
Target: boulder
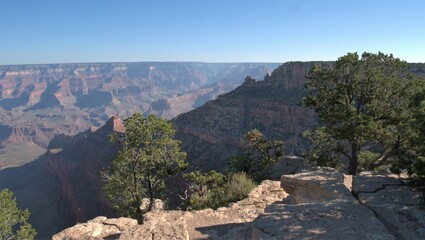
[[97, 228], [320, 207], [288, 165], [158, 204]]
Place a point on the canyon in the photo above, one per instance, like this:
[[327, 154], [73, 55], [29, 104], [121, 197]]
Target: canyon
[[64, 184], [316, 203], [213, 132], [39, 102]]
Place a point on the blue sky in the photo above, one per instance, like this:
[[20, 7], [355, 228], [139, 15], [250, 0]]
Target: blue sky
[[63, 31]]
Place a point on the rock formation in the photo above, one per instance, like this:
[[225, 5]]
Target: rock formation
[[64, 187], [212, 133], [233, 222], [321, 206], [97, 228], [38, 102], [314, 204]]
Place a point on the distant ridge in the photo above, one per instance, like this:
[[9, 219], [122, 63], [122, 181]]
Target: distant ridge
[[39, 102]]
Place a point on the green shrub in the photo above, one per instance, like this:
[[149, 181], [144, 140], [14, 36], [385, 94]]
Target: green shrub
[[218, 193], [202, 189], [238, 187], [366, 161], [259, 157]]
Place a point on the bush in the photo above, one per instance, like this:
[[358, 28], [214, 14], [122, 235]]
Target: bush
[[219, 193], [366, 161], [259, 157], [238, 187]]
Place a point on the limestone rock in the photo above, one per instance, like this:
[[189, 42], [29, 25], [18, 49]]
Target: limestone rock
[[322, 207], [213, 133], [288, 165], [232, 222], [304, 191], [97, 228], [159, 225], [367, 184], [158, 204], [398, 206]]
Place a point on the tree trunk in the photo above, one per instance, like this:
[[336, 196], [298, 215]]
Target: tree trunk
[[139, 215], [151, 199], [352, 165]]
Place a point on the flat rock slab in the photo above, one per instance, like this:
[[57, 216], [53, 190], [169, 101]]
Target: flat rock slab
[[97, 229], [338, 219], [397, 205], [371, 183], [332, 212]]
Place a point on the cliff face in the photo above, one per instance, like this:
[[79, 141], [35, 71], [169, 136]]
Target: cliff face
[[213, 132], [38, 102], [63, 188]]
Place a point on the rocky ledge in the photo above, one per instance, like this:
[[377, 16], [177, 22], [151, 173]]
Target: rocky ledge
[[315, 204], [325, 204]]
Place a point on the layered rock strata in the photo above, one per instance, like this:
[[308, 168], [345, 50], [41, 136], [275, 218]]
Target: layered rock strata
[[213, 133], [38, 102], [65, 187]]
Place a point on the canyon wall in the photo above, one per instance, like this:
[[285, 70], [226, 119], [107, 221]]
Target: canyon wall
[[38, 102]]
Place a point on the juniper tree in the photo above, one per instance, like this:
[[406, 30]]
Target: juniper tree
[[148, 156], [363, 107]]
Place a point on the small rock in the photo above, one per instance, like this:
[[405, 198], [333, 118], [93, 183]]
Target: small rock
[[221, 209]]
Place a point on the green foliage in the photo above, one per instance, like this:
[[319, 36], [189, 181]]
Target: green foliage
[[322, 153], [366, 160], [363, 105], [260, 156], [11, 217], [238, 187], [414, 158], [200, 187], [214, 190], [148, 156]]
